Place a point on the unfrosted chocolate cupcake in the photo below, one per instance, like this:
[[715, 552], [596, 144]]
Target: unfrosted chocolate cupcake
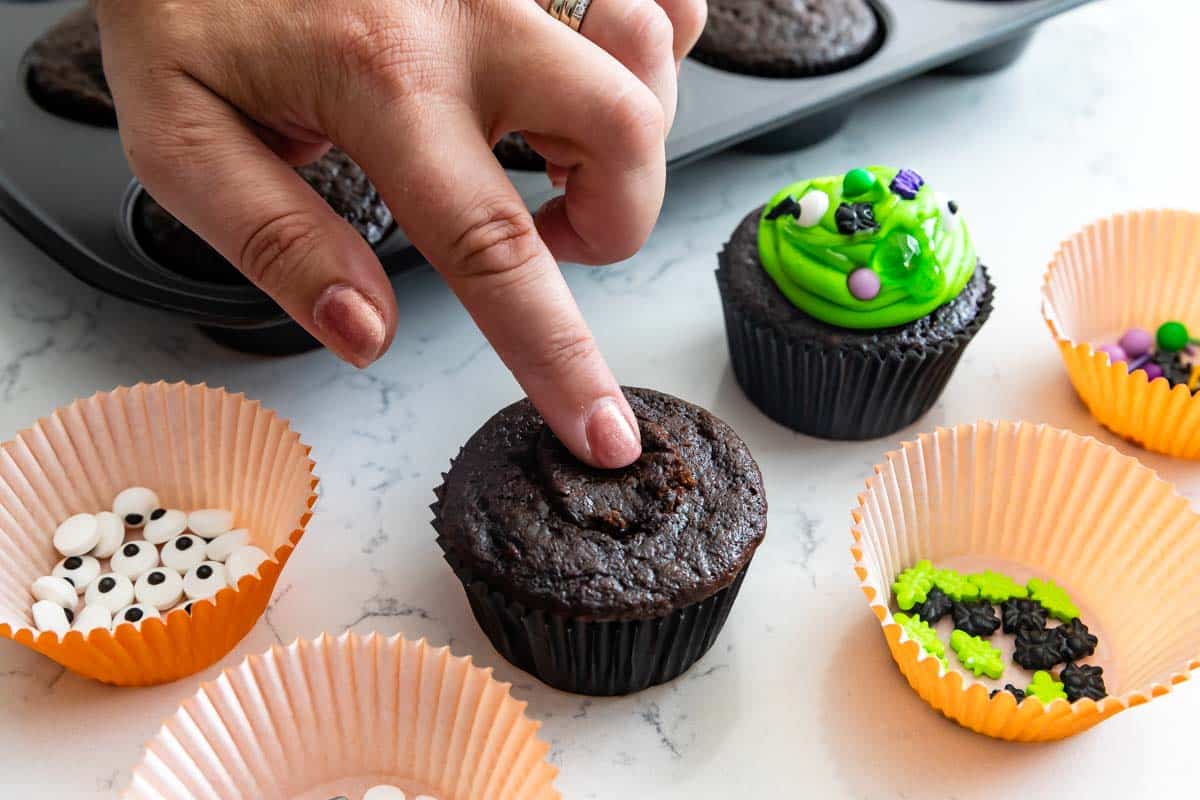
[[335, 177], [513, 152], [65, 74], [849, 301], [788, 38], [603, 581]]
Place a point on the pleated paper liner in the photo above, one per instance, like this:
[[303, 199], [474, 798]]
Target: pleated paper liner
[[197, 447], [1138, 269], [839, 393], [319, 719], [1122, 542]]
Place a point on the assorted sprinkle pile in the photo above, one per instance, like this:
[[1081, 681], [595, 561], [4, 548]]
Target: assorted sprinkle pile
[[1168, 353], [137, 561], [982, 604], [386, 792]]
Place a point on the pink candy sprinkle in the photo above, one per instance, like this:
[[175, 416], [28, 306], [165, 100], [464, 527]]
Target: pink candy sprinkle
[[1115, 352], [863, 283], [1136, 342]]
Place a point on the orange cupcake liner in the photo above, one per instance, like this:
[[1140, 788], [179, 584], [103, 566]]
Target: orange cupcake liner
[[335, 716], [1120, 539], [197, 447], [1136, 269]]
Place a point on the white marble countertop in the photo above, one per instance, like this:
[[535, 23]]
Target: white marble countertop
[[799, 696]]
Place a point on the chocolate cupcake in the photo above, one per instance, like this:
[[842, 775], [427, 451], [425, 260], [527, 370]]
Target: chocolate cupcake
[[65, 75], [849, 300], [602, 582], [513, 152], [335, 177], [788, 38]]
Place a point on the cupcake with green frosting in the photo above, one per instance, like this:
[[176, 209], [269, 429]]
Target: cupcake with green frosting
[[849, 301]]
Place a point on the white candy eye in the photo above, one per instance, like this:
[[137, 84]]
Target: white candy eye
[[159, 588], [59, 591], [134, 505], [205, 580], [242, 562], [112, 533], [111, 591], [93, 617], [48, 616], [813, 206], [164, 525], [79, 570], [210, 522], [134, 559], [384, 793], [135, 614], [77, 535], [220, 548], [183, 552], [949, 212]]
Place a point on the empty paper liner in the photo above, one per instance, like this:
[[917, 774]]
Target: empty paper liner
[[330, 717], [197, 447], [1056, 505], [1139, 269]]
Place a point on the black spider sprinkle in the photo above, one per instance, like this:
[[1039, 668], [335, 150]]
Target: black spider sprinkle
[[977, 619], [936, 606], [1021, 614], [1082, 680], [1074, 641], [1037, 648], [852, 218], [1008, 687]]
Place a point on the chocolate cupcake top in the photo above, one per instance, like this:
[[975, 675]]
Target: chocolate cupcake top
[[795, 37], [513, 152], [66, 76], [672, 529]]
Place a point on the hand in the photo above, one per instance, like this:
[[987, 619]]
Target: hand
[[217, 99]]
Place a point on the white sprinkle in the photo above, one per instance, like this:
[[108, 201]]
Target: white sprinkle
[[77, 535]]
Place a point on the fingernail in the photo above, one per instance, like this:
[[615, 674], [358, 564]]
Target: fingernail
[[342, 313], [612, 440]]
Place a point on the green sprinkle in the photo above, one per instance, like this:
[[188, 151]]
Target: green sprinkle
[[1045, 688], [923, 634], [858, 182], [1053, 599], [977, 655], [996, 587], [1172, 336], [913, 585], [958, 587]]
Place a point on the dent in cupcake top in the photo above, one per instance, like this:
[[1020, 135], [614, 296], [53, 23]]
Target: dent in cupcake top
[[870, 249]]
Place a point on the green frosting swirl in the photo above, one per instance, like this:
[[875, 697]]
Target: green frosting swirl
[[919, 249]]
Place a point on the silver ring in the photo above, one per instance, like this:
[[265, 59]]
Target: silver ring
[[568, 12]]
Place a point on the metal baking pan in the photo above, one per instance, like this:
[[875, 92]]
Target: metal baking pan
[[67, 187]]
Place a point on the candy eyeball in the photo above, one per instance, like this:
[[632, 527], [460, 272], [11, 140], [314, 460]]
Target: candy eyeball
[[112, 534], [183, 552], [242, 562], [164, 525], [185, 606], [220, 548], [55, 590], [135, 615], [384, 792], [110, 590], [79, 570], [134, 559], [134, 505], [50, 616], [205, 580], [210, 523], [92, 617], [812, 210], [949, 212], [77, 535], [159, 588]]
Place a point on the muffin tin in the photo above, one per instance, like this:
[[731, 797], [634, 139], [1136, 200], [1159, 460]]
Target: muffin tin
[[67, 187]]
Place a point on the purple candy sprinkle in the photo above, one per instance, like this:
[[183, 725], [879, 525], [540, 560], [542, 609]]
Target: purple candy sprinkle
[[1115, 353], [1137, 341], [907, 183], [1153, 371], [863, 284]]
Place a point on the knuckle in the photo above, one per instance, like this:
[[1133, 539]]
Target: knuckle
[[562, 350], [638, 122], [652, 33], [380, 49], [278, 249], [690, 21], [498, 241]]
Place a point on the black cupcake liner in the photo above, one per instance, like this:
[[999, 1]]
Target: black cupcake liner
[[836, 392], [601, 658]]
